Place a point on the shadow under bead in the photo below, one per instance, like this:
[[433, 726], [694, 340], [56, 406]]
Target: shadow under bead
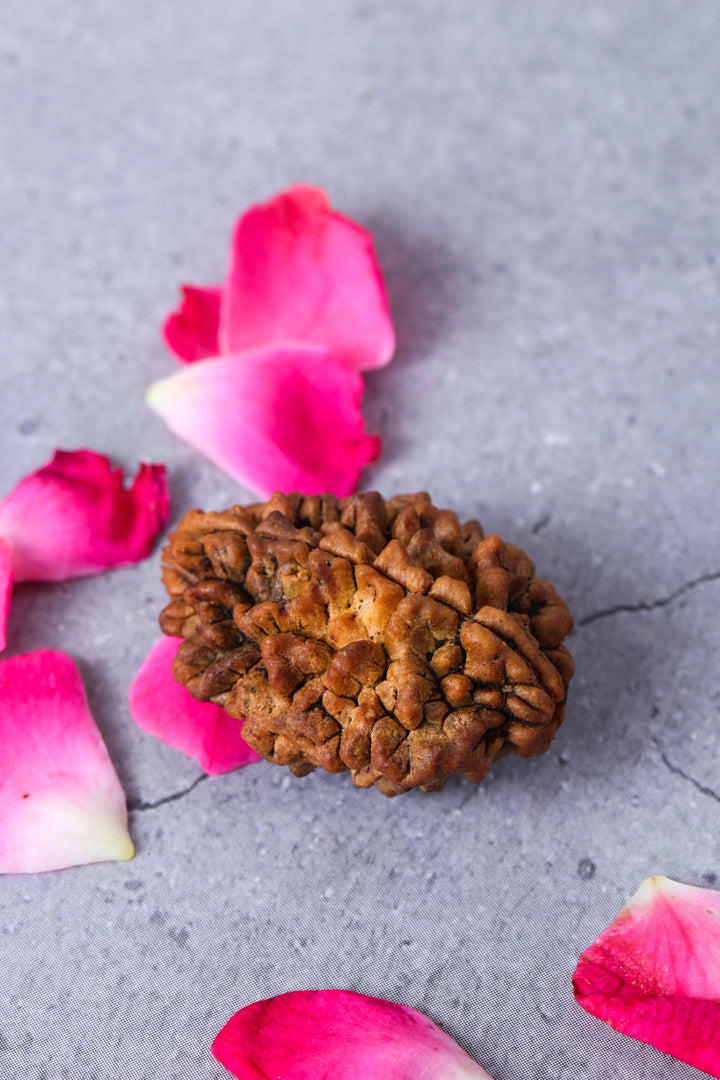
[[381, 637]]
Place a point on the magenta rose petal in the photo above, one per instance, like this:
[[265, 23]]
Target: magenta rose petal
[[654, 973], [283, 417], [335, 1033], [5, 586], [61, 803], [300, 271], [164, 708], [74, 517], [191, 332]]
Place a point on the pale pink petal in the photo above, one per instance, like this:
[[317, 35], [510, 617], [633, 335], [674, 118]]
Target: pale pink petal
[[191, 332], [61, 803], [311, 1034], [5, 586], [654, 974], [161, 706], [299, 271], [75, 517], [283, 418]]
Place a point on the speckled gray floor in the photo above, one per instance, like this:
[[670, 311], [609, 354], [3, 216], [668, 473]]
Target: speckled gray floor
[[543, 182]]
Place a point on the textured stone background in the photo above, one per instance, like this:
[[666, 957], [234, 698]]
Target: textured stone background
[[543, 182]]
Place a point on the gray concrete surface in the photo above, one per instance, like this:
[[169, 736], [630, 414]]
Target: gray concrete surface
[[543, 182]]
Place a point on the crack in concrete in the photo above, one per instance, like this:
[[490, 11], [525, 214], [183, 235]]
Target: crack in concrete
[[677, 771], [544, 520], [643, 605], [139, 805]]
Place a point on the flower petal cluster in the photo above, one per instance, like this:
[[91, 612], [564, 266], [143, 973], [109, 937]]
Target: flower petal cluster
[[61, 803], [303, 310]]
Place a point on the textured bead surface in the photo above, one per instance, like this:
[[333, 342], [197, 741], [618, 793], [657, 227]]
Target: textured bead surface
[[383, 637]]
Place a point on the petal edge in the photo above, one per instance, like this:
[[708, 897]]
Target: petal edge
[[6, 578]]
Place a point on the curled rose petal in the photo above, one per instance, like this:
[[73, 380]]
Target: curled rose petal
[[191, 332], [299, 271], [5, 586], [161, 706], [74, 517], [654, 974], [61, 803], [339, 1034], [285, 417]]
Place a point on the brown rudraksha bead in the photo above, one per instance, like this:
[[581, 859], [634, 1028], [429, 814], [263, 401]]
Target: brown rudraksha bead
[[383, 637]]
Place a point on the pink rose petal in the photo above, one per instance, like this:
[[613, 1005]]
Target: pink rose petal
[[191, 332], [299, 271], [5, 586], [74, 517], [313, 1034], [285, 417], [161, 706], [654, 974], [61, 803]]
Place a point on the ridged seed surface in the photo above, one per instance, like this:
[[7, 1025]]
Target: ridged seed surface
[[381, 637]]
